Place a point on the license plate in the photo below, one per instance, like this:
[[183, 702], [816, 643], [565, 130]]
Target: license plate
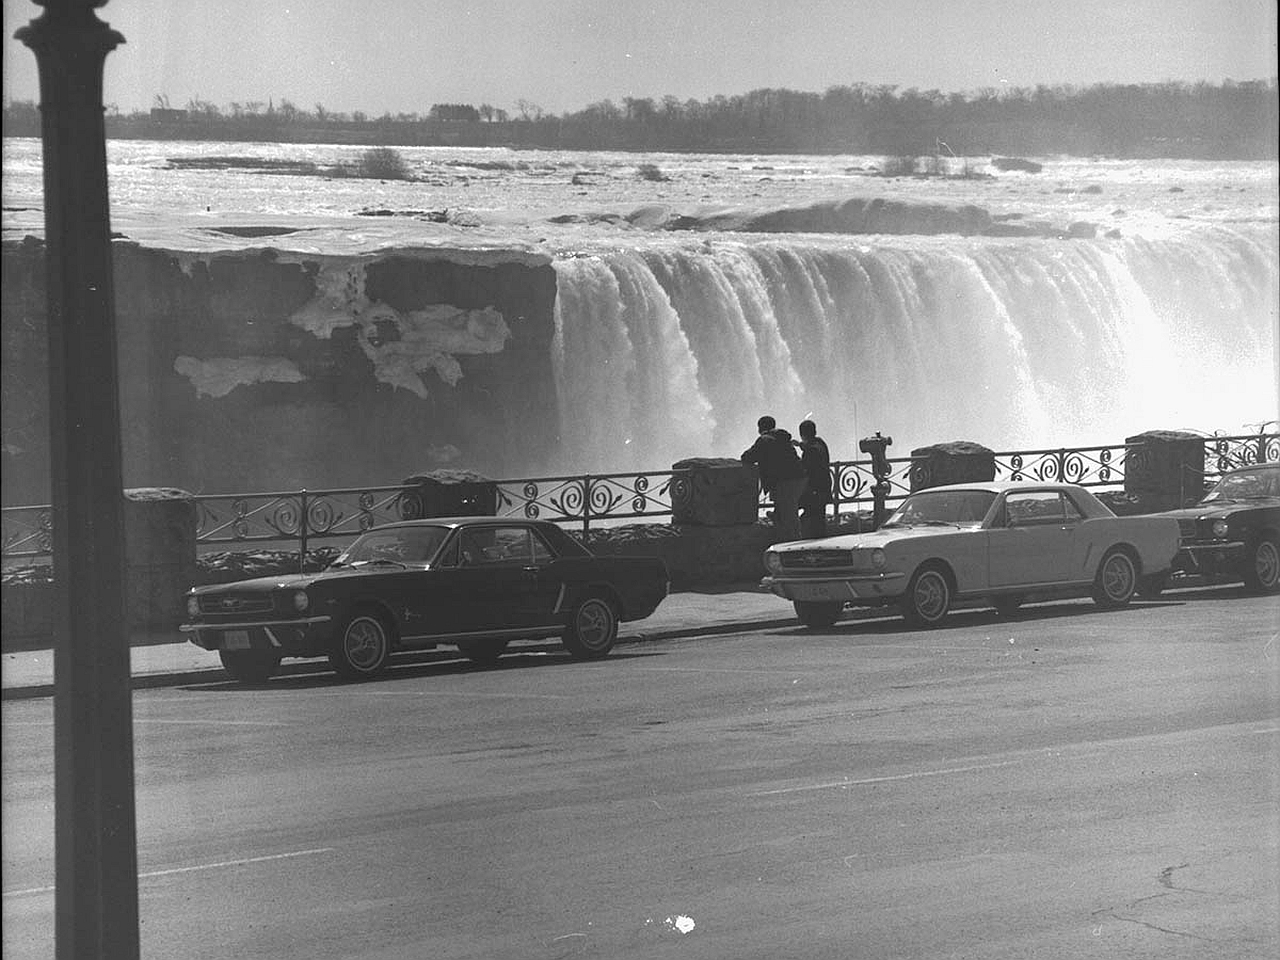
[[235, 640], [820, 591]]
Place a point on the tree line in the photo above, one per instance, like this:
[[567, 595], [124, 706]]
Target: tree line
[[1231, 120]]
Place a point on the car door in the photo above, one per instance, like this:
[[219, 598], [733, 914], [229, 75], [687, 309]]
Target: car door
[[501, 577], [1030, 542]]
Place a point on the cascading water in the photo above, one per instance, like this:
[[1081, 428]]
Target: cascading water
[[673, 348]]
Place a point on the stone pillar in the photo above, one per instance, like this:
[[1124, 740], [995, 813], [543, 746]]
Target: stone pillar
[[714, 492], [1164, 469], [960, 461], [449, 493], [160, 555]]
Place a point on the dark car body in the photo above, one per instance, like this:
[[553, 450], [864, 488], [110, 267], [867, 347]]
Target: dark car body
[[1233, 534], [472, 582]]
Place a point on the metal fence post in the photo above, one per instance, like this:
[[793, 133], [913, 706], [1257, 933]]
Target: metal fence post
[[302, 531], [586, 506]]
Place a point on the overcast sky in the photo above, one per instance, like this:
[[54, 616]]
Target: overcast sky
[[405, 55]]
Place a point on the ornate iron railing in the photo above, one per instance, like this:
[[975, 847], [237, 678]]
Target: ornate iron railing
[[299, 516], [297, 519], [591, 497]]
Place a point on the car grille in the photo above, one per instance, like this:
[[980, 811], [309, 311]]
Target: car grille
[[236, 605], [816, 559], [1187, 528]]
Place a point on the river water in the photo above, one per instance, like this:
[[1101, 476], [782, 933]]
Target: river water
[[669, 343]]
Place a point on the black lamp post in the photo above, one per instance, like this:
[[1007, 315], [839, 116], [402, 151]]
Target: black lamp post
[[96, 898]]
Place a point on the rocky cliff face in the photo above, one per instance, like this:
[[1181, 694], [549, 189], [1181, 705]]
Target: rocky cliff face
[[262, 368]]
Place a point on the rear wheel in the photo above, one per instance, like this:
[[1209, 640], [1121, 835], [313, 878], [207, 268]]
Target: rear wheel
[[1116, 580], [1263, 574], [593, 628], [817, 614], [928, 596], [483, 652], [249, 666], [361, 647]]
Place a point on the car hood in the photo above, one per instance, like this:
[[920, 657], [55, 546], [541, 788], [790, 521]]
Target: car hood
[[876, 538], [263, 584], [1224, 509]]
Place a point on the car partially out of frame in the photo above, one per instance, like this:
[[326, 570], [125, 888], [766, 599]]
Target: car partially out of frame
[[476, 583], [1233, 534], [1002, 542]]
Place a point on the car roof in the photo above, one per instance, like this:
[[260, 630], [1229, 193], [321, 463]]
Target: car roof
[[482, 521], [1252, 467], [1001, 486]]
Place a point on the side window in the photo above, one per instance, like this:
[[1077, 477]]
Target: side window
[[478, 546], [1072, 512], [1034, 507], [541, 552], [449, 556]]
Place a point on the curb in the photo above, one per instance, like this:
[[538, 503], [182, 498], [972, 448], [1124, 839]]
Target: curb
[[151, 681]]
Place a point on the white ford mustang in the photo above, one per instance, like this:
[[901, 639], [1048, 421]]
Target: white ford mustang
[[1004, 542]]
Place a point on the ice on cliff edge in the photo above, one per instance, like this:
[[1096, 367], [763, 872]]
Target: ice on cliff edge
[[402, 346]]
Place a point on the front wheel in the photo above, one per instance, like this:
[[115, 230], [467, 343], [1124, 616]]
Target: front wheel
[[1116, 580], [593, 628], [1263, 574], [817, 614], [249, 666], [928, 597], [361, 647]]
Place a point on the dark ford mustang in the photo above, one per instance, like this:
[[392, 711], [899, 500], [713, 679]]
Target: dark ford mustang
[[1233, 534], [473, 582]]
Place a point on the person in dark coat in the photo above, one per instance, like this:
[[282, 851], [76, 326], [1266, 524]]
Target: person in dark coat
[[816, 460], [781, 474]]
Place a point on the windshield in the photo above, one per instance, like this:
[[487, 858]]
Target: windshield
[[1246, 485], [960, 507], [394, 545]]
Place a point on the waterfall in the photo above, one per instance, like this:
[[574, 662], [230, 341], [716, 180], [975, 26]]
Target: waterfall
[[672, 348]]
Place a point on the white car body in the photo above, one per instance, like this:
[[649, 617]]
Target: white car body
[[1002, 541]]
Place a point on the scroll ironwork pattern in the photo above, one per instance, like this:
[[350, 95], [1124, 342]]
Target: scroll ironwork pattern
[[279, 517]]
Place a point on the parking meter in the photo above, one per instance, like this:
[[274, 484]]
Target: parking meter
[[880, 468]]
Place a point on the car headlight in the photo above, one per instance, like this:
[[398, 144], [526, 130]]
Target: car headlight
[[878, 559], [772, 562], [193, 606], [1219, 528], [301, 601]]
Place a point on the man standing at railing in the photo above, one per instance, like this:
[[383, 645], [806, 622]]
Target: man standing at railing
[[816, 459], [781, 474]]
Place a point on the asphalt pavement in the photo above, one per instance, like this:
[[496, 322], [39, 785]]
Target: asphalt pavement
[[159, 660]]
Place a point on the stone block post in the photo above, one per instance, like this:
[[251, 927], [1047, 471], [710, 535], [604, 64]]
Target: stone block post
[[714, 492], [160, 555], [1164, 469], [960, 461], [449, 493]]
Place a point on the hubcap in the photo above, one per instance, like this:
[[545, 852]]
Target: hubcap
[[1117, 578], [931, 595], [1266, 564], [595, 623], [364, 642]]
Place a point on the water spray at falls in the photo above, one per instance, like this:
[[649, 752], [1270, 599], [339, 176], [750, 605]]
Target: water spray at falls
[[672, 349]]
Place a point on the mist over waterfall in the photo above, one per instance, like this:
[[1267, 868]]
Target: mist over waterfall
[[673, 348]]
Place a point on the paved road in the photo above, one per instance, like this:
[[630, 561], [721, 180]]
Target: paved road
[[1071, 784]]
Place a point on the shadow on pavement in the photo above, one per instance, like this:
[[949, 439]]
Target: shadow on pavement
[[317, 674]]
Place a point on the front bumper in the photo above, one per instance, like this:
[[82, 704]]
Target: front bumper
[[1210, 558], [859, 589], [300, 636]]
